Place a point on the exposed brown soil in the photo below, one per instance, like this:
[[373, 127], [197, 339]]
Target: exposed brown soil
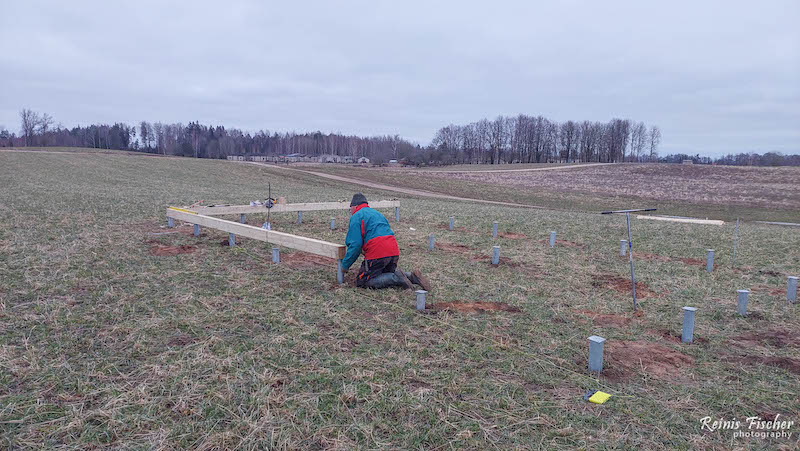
[[770, 273], [694, 261], [455, 228], [766, 187], [607, 319], [458, 248], [621, 285], [564, 243], [768, 289], [787, 363], [648, 257], [675, 337], [180, 340], [474, 307], [512, 236], [656, 360], [416, 385], [778, 338], [163, 251], [304, 260]]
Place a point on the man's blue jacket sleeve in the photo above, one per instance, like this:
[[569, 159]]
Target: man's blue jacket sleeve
[[354, 242]]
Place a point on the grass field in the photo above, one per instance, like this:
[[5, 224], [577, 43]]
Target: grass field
[[118, 332], [717, 192]]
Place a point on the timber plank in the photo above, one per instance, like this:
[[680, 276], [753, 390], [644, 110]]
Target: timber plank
[[310, 245], [282, 208]]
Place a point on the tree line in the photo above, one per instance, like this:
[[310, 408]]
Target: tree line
[[518, 139], [204, 141], [740, 159], [528, 139]]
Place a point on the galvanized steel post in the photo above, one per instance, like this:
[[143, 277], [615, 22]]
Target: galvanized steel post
[[596, 353]]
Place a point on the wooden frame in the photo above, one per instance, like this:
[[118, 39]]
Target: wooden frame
[[310, 245], [218, 210], [204, 216]]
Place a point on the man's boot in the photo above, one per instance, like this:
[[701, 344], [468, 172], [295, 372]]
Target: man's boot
[[388, 280], [417, 278]]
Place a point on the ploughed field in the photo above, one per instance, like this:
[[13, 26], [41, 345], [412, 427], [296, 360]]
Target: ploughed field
[[116, 331], [719, 192]]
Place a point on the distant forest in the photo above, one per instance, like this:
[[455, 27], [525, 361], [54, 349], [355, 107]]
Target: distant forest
[[504, 140]]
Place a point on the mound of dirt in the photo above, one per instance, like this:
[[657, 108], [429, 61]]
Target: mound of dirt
[[457, 248], [768, 289], [512, 236], [621, 285], [606, 319], [777, 338], [654, 359], [648, 257], [770, 273], [564, 243], [675, 337], [163, 250], [455, 228], [181, 340], [693, 261], [787, 363], [304, 260], [474, 307]]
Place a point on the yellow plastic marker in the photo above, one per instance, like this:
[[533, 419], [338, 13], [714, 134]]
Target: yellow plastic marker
[[183, 210], [599, 397]]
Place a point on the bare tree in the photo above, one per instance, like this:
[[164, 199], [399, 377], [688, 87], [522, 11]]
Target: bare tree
[[497, 138], [159, 134], [639, 140], [45, 121], [569, 140], [146, 133], [655, 140], [29, 121]]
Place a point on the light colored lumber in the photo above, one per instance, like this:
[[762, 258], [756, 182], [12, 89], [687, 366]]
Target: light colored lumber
[[791, 224], [310, 245], [282, 208], [685, 220]]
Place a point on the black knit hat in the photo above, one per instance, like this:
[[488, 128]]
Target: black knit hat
[[358, 199]]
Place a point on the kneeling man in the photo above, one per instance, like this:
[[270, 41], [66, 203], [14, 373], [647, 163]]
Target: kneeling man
[[369, 233]]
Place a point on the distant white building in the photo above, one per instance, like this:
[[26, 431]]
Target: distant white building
[[330, 159], [295, 157], [258, 158], [363, 160], [687, 162], [235, 157]]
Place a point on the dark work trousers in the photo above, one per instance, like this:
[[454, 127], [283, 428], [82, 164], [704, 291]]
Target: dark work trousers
[[371, 268]]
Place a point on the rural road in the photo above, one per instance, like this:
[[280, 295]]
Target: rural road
[[494, 171], [397, 189]]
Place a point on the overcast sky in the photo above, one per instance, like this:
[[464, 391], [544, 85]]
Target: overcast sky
[[717, 77]]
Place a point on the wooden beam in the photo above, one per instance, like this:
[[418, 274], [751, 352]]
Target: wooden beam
[[310, 245], [282, 208], [685, 220], [791, 224]]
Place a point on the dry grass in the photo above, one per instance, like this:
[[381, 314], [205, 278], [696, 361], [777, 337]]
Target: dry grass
[[104, 344]]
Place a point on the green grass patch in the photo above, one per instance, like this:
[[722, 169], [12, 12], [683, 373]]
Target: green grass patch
[[103, 343]]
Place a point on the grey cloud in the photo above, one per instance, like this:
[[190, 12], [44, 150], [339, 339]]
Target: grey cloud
[[717, 76]]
